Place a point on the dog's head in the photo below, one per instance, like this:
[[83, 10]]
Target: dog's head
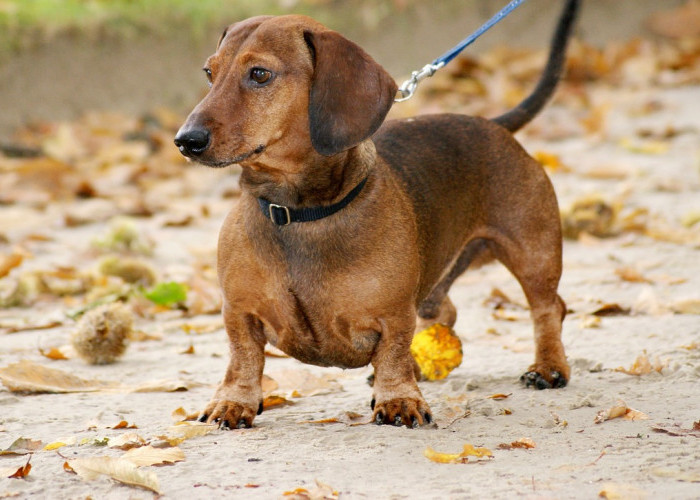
[[283, 88]]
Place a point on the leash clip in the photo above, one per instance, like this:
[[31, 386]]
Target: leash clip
[[408, 87]]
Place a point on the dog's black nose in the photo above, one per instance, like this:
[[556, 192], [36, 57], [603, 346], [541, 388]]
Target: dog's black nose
[[192, 142]]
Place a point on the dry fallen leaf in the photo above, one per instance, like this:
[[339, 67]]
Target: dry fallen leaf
[[187, 430], [643, 366], [457, 458], [677, 430], [273, 401], [22, 446], [148, 455], [500, 396], [53, 353], [619, 410], [21, 472], [180, 414], [127, 441], [320, 492], [618, 491], [7, 263], [118, 469], [29, 377], [526, 443], [123, 424]]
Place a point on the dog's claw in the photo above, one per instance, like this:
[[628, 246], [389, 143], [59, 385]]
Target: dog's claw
[[224, 425], [398, 421], [260, 408], [203, 417], [427, 418], [372, 403], [379, 418], [242, 424], [534, 379], [414, 423]]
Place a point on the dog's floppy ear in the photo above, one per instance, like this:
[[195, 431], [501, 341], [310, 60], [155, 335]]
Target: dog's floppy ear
[[350, 93]]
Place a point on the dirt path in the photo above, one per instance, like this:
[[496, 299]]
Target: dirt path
[[634, 301]]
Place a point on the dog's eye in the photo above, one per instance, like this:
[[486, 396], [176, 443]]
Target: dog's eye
[[207, 71], [260, 76]]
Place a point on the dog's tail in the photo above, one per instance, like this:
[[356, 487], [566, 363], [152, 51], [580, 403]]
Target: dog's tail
[[532, 104]]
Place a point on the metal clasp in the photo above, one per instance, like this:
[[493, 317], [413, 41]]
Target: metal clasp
[[284, 222], [408, 87]]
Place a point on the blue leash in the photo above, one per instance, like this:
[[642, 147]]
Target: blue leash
[[408, 87]]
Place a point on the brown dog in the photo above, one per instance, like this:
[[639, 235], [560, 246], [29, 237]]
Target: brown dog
[[346, 231]]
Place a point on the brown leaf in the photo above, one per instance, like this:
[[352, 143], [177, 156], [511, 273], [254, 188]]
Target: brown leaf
[[123, 424], [526, 443], [29, 377], [500, 396], [611, 309], [7, 263], [677, 430], [23, 471], [631, 275], [275, 401], [53, 353], [189, 350], [320, 492], [643, 366], [22, 446]]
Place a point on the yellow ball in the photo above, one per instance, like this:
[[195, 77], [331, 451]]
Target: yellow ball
[[437, 350]]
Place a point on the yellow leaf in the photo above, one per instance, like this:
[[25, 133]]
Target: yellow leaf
[[148, 455], [550, 161], [61, 442], [617, 491], [644, 147], [499, 396], [118, 469], [437, 351], [53, 353], [274, 401], [457, 458]]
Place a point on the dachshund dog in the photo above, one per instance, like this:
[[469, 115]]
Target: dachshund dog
[[349, 230]]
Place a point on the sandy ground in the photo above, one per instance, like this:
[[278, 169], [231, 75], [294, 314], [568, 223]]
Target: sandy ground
[[654, 277]]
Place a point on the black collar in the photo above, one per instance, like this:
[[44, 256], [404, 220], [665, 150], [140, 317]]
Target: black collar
[[283, 216]]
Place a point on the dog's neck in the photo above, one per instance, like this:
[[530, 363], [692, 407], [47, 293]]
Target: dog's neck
[[324, 180]]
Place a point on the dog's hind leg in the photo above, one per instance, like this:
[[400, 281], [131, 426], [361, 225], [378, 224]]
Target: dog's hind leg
[[538, 269], [437, 306]]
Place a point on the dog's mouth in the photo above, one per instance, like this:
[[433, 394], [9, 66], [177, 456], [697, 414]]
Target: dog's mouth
[[230, 161]]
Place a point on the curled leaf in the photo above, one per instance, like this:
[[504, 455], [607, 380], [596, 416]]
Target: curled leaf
[[118, 469], [457, 458]]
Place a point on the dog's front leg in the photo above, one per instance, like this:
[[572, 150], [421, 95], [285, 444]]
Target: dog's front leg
[[397, 399], [238, 398]]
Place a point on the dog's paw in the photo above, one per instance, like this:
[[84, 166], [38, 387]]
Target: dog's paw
[[554, 380], [402, 411], [230, 414]]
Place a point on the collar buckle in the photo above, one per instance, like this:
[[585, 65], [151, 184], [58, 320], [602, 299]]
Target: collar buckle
[[279, 214]]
